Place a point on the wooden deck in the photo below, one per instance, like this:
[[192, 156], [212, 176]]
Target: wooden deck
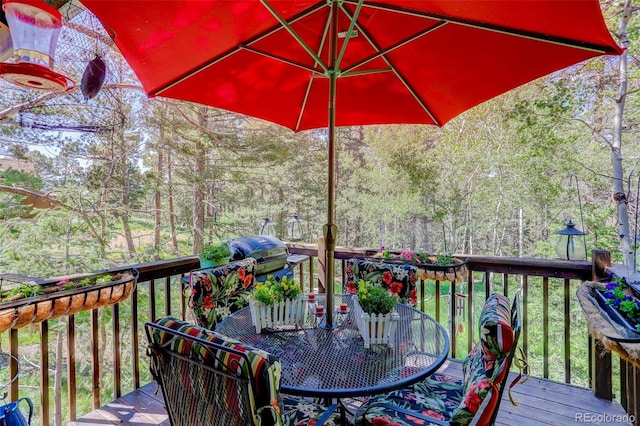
[[541, 402]]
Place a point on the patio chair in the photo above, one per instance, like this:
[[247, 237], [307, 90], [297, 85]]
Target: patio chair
[[216, 292], [209, 379], [446, 400], [399, 278]]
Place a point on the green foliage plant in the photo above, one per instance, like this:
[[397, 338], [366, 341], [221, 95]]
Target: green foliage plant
[[21, 291], [619, 296], [103, 279], [272, 291], [375, 299], [215, 252]]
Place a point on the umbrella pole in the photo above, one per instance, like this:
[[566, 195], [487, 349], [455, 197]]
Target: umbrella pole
[[330, 229]]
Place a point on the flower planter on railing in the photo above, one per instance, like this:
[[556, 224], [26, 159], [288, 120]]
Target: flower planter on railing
[[375, 328], [289, 312], [33, 303], [621, 304], [456, 270]]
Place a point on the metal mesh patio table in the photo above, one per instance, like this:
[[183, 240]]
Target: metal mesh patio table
[[333, 363]]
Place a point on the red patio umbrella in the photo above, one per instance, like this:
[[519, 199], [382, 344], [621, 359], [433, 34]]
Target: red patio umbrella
[[306, 64]]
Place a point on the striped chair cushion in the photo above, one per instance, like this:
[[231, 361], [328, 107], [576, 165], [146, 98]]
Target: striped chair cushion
[[485, 364], [496, 333], [263, 372]]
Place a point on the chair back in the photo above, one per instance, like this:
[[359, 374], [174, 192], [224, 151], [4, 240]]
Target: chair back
[[516, 325], [209, 379], [486, 368], [216, 292], [399, 278]]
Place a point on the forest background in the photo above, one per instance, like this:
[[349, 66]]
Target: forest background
[[135, 179]]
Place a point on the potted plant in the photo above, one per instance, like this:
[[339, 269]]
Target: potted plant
[[33, 302], [621, 302], [374, 313], [214, 254], [441, 267], [276, 303]]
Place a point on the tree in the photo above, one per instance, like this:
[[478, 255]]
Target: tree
[[619, 193]]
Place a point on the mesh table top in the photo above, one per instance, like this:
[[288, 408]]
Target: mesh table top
[[333, 363]]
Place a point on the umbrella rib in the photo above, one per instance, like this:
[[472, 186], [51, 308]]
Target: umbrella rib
[[382, 54], [281, 59], [325, 33], [294, 34], [231, 52], [563, 41], [353, 22]]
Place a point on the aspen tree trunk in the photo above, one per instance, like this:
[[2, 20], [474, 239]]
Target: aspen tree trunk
[[619, 193]]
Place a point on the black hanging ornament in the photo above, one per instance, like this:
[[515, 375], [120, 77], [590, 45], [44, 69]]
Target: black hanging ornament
[[93, 78]]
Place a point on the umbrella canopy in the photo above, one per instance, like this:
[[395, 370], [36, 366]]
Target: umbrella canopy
[[324, 63], [403, 61]]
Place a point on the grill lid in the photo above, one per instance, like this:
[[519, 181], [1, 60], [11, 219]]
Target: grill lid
[[259, 247]]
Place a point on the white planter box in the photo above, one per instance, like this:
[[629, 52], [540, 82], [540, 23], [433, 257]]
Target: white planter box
[[287, 312], [375, 329]]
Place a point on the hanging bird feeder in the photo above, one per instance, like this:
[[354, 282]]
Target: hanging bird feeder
[[34, 27]]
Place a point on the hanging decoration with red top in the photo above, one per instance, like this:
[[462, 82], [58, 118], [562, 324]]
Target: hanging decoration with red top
[[34, 27]]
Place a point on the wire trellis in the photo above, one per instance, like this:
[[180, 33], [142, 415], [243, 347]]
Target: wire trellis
[[81, 40]]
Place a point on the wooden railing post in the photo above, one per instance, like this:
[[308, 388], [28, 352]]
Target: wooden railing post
[[600, 362], [600, 264], [601, 370]]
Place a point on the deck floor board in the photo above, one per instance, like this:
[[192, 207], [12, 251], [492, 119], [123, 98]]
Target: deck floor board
[[541, 402]]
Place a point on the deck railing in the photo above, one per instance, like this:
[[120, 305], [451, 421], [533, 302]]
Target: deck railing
[[85, 360]]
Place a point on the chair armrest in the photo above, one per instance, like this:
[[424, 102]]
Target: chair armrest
[[398, 409]]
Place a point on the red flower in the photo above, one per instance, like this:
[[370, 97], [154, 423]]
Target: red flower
[[415, 420], [383, 421], [474, 397], [395, 287], [248, 280], [433, 414], [241, 273], [351, 288], [206, 284], [472, 402], [207, 303], [387, 277], [413, 297]]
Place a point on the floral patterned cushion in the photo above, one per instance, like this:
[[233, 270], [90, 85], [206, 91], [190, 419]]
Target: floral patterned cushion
[[217, 292], [436, 397], [302, 412], [448, 399], [398, 278], [269, 407]]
